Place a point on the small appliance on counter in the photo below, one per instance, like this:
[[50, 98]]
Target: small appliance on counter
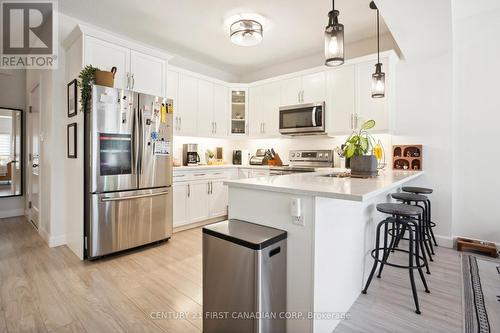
[[240, 157], [260, 158], [190, 156]]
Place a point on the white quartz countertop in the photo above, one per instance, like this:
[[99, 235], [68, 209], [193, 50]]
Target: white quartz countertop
[[223, 166], [355, 189]]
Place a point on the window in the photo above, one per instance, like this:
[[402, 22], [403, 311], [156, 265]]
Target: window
[[5, 145]]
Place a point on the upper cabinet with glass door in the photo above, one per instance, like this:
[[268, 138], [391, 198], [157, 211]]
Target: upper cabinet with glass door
[[239, 111]]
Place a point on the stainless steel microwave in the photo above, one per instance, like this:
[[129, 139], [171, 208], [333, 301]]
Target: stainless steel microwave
[[303, 119]]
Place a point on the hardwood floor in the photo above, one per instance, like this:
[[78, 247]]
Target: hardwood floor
[[388, 306], [51, 290]]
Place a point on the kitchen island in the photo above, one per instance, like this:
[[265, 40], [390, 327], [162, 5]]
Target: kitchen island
[[328, 246]]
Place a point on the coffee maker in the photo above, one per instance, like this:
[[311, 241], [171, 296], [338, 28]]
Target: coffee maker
[[190, 154]]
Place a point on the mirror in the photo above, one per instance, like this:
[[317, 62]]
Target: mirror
[[11, 152]]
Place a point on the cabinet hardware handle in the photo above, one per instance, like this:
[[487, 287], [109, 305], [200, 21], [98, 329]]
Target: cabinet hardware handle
[[200, 174], [298, 96], [128, 80], [189, 190], [215, 123], [211, 188], [263, 128], [208, 188], [180, 123], [133, 81]]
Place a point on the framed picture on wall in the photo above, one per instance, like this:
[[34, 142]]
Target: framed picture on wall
[[72, 99], [71, 133]]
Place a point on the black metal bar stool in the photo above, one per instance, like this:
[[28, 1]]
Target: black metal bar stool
[[408, 216], [424, 190], [417, 199]]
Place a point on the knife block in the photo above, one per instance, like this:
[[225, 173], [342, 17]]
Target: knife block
[[276, 162]]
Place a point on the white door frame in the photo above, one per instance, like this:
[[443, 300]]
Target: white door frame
[[29, 123]]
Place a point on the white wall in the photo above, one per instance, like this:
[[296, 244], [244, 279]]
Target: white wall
[[477, 115], [281, 145], [12, 95], [423, 115]]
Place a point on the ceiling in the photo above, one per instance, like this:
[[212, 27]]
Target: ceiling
[[195, 29]]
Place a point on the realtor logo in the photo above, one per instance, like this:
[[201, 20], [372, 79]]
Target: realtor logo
[[29, 34]]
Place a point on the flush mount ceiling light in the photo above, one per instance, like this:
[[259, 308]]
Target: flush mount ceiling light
[[378, 78], [334, 39], [246, 32]]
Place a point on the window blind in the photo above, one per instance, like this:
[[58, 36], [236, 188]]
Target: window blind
[[4, 144]]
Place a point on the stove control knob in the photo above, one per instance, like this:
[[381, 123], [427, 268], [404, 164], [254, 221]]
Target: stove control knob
[[320, 155], [326, 155]]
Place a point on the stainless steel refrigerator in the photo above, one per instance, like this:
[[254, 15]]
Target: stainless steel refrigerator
[[128, 171]]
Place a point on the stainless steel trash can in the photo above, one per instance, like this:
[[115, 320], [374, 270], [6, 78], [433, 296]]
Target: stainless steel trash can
[[244, 278]]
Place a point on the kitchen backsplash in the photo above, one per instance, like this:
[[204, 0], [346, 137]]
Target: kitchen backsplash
[[281, 145]]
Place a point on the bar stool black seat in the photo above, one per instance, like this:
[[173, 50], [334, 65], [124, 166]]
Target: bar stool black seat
[[417, 190], [401, 215], [423, 190], [409, 198]]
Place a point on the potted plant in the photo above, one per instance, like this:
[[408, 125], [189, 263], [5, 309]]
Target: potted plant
[[359, 149], [87, 77]]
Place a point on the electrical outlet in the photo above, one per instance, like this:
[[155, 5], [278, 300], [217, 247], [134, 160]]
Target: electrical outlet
[[298, 220]]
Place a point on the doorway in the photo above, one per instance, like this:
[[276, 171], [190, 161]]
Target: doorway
[[34, 152]]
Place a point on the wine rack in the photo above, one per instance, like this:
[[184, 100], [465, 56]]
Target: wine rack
[[407, 157]]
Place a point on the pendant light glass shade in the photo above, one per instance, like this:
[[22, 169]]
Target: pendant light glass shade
[[334, 40], [378, 78], [246, 32], [378, 82]]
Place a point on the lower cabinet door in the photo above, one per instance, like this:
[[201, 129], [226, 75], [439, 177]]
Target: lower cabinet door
[[180, 204], [198, 202], [218, 199]]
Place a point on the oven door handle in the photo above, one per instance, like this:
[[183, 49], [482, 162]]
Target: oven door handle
[[106, 199], [314, 116]]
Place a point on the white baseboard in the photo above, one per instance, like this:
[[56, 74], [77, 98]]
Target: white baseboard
[[445, 241], [55, 241], [52, 241], [199, 224], [11, 213]]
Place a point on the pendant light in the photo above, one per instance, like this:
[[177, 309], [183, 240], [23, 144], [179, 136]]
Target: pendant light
[[334, 39], [378, 78]]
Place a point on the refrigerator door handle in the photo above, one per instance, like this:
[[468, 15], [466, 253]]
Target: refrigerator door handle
[[141, 141], [106, 199]]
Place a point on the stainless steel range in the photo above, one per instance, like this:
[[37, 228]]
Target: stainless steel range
[[305, 161]]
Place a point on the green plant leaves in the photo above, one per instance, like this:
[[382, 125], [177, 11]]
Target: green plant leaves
[[368, 124], [349, 152], [363, 143]]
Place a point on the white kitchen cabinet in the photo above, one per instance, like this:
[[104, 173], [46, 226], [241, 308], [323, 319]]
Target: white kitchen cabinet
[[291, 90], [200, 195], [105, 55], [313, 88], [221, 110], [368, 107], [173, 90], [304, 89], [264, 110], [198, 204], [185, 121], [136, 71], [340, 102], [218, 198], [180, 204], [205, 108], [147, 73]]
